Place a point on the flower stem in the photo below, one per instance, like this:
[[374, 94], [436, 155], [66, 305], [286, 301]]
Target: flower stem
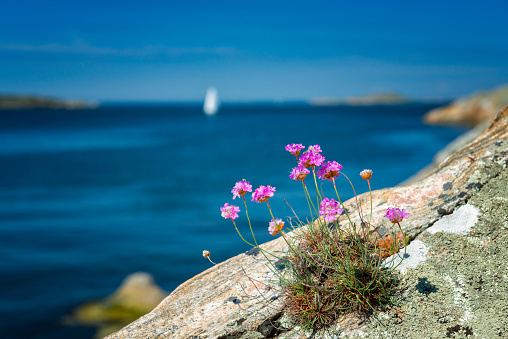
[[250, 226], [315, 182], [234, 223]]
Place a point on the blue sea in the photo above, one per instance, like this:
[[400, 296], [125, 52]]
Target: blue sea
[[90, 196]]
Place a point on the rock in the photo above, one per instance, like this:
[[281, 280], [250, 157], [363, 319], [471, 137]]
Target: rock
[[455, 285], [389, 98], [30, 102], [469, 111], [137, 295], [459, 142]]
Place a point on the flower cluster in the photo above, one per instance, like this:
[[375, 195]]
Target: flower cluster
[[366, 174], [241, 188], [299, 173], [274, 227], [330, 209], [311, 157], [263, 193], [329, 171], [396, 215], [294, 149], [230, 211]]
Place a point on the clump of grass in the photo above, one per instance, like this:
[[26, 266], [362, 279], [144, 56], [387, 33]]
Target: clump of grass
[[337, 272], [332, 269]]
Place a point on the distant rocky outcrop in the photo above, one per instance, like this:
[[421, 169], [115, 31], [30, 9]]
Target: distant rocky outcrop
[[453, 279], [137, 296], [28, 102], [389, 98], [470, 110]]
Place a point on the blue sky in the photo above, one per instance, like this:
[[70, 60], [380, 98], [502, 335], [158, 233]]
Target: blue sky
[[257, 50]]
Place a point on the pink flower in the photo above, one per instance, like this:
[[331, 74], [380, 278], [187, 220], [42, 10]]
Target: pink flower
[[309, 159], [299, 173], [294, 148], [366, 174], [330, 209], [241, 188], [275, 226], [230, 211], [395, 215], [263, 193], [314, 149], [329, 171]]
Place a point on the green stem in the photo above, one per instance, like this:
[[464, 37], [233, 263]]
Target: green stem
[[241, 234], [309, 200], [315, 182], [344, 207], [370, 219], [250, 226]]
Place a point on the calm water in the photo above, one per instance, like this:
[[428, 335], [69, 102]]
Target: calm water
[[87, 197]]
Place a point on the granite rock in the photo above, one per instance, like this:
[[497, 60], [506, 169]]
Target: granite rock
[[470, 110], [456, 285], [137, 295]]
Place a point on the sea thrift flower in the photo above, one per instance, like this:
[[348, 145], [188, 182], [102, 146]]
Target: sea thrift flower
[[263, 193], [230, 211], [314, 149], [329, 170], [330, 209], [241, 188], [395, 215], [206, 255], [294, 149], [275, 226], [366, 174], [309, 159], [299, 173]]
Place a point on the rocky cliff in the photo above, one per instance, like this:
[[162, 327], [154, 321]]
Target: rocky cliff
[[469, 111], [454, 279]]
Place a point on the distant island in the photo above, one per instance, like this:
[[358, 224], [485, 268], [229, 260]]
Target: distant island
[[29, 101], [388, 98]]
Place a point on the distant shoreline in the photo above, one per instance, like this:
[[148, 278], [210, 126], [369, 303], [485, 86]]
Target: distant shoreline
[[15, 102]]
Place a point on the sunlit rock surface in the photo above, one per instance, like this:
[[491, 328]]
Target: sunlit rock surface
[[470, 110], [459, 290]]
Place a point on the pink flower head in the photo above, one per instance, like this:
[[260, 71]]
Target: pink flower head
[[309, 159], [294, 149], [314, 149], [299, 173], [330, 209], [366, 174], [241, 188], [329, 170], [395, 215], [263, 193], [275, 226], [230, 211]]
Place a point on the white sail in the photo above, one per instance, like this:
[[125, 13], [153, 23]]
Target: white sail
[[211, 105]]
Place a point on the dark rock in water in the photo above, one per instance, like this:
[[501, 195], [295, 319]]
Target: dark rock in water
[[452, 280], [137, 295]]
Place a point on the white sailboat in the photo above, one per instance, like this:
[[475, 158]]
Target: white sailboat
[[212, 102]]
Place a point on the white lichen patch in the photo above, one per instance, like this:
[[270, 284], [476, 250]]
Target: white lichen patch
[[416, 253], [459, 222], [460, 297]]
